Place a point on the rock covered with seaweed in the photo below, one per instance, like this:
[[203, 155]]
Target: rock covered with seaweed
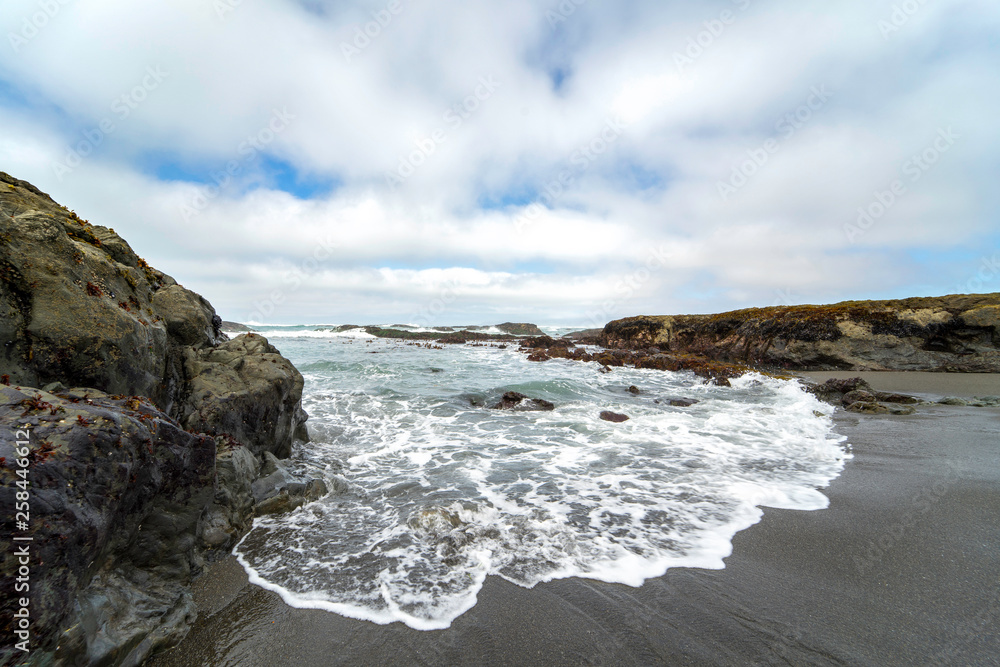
[[958, 333], [148, 428]]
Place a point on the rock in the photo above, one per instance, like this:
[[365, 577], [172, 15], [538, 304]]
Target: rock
[[271, 485], [585, 337], [833, 391], [950, 333], [615, 417], [634, 390], [868, 408], [538, 356], [512, 400], [859, 395], [190, 319], [901, 409], [683, 402], [235, 327], [985, 402], [231, 513], [280, 504], [118, 490], [293, 494], [270, 464], [952, 400], [520, 329], [316, 489], [159, 434], [543, 342], [888, 397], [245, 388]]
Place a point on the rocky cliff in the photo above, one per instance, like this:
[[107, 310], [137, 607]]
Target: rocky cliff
[[148, 427], [959, 333]]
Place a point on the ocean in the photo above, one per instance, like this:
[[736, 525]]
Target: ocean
[[432, 491]]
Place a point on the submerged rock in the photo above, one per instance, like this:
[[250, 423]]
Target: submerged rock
[[615, 417], [975, 402], [683, 402], [512, 400]]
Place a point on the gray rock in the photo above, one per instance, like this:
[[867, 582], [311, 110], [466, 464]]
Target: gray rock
[[316, 489], [271, 464], [683, 402], [868, 408], [953, 400], [859, 395], [272, 484], [515, 401], [119, 489], [138, 504], [280, 504], [245, 388]]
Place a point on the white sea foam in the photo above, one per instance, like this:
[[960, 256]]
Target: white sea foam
[[442, 494]]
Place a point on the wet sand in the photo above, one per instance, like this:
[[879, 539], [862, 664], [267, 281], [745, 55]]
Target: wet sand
[[903, 568]]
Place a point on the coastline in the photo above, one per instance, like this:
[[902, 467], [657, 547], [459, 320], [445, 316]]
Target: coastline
[[902, 568]]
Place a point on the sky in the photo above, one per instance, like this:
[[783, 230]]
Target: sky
[[563, 163]]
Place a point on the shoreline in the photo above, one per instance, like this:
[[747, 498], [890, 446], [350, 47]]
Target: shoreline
[[902, 568]]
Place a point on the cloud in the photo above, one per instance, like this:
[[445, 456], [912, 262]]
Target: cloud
[[465, 146]]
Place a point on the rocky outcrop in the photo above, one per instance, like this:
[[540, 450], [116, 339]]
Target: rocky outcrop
[[953, 333], [148, 469], [520, 329], [545, 348]]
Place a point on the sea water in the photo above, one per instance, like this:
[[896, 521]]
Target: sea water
[[432, 491]]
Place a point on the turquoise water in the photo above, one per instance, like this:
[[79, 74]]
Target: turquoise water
[[432, 491]]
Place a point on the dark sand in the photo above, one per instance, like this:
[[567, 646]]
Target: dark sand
[[902, 569]]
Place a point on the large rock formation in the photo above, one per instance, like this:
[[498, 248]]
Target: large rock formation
[[951, 333], [146, 466]]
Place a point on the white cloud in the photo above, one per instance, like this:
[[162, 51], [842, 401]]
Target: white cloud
[[689, 122]]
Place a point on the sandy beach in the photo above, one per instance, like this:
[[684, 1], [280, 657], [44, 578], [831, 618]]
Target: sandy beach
[[903, 568]]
